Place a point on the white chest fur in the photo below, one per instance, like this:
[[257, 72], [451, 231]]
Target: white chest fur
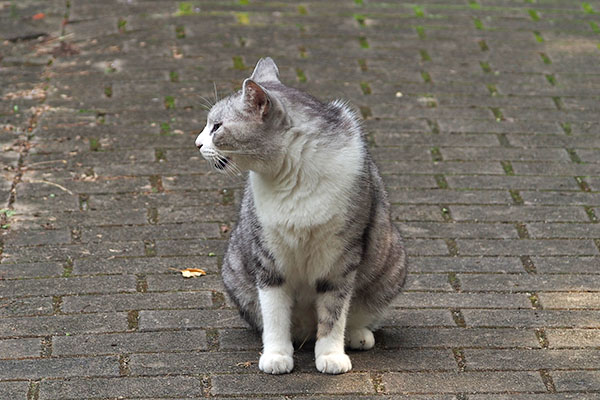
[[303, 212]]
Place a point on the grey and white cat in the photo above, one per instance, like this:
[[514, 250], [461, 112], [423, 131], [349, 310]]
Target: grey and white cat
[[314, 253]]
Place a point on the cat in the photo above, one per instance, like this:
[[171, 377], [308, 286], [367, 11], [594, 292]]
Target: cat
[[314, 253]]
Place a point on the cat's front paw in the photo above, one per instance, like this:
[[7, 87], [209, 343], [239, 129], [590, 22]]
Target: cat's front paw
[[334, 363], [276, 363]]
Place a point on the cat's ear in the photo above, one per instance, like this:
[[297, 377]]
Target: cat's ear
[[265, 71], [255, 98]]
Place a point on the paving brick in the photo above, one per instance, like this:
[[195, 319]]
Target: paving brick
[[31, 270], [535, 396], [135, 342], [31, 237], [351, 383], [11, 307], [167, 231], [574, 231], [20, 348], [172, 282], [136, 301], [62, 286], [551, 300], [512, 182], [418, 317], [59, 367], [456, 337], [63, 324], [192, 247], [427, 282], [560, 198], [526, 247], [575, 338], [80, 388], [532, 318], [442, 196], [14, 390], [528, 282], [465, 264], [461, 300], [142, 265], [176, 319], [523, 359], [416, 213], [424, 247], [572, 265], [462, 382], [20, 254], [494, 213], [588, 381], [457, 230]]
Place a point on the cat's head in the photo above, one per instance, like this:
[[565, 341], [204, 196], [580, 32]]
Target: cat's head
[[244, 131]]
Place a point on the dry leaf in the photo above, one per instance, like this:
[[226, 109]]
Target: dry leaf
[[192, 272], [39, 16], [246, 364]]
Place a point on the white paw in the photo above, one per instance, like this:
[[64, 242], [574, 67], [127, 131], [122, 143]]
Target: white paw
[[335, 363], [276, 363], [361, 339]]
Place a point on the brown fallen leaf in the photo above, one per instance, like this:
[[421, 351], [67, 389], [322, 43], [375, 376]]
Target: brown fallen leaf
[[190, 272], [246, 364], [38, 16]]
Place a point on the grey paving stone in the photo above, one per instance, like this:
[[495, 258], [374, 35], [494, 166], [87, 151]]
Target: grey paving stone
[[576, 380], [512, 182], [418, 317], [133, 342], [420, 382], [457, 337], [290, 384], [572, 265], [443, 196], [31, 270], [427, 282], [80, 388], [495, 213], [135, 301], [59, 367], [179, 319], [63, 324], [142, 265], [424, 247], [583, 300], [575, 231], [526, 247], [13, 307], [532, 318], [528, 282], [166, 231], [63, 286], [514, 360], [535, 396], [32, 238], [466, 264], [18, 254], [457, 230], [573, 338], [173, 282], [462, 300], [20, 348], [14, 390], [560, 198]]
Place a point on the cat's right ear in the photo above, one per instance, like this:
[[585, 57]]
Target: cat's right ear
[[255, 98]]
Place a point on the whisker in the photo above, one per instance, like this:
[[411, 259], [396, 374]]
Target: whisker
[[216, 95]]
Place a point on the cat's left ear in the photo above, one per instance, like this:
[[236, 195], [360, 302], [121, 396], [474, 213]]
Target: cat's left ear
[[255, 98]]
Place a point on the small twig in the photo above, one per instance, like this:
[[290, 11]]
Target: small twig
[[50, 183], [46, 162]]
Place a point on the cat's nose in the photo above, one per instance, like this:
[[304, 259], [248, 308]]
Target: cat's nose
[[199, 146]]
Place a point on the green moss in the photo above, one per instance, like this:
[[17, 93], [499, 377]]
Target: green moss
[[174, 76], [426, 77], [366, 89], [243, 18], [180, 32], [165, 128], [545, 58], [185, 8], [94, 144], [474, 5], [534, 15], [122, 25], [419, 12], [360, 18], [483, 45], [238, 63], [362, 63], [424, 55], [300, 75], [302, 10], [108, 91], [538, 36], [485, 66], [420, 32], [551, 79], [363, 42], [587, 7], [169, 102], [478, 23]]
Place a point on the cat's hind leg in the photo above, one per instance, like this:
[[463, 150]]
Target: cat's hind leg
[[359, 332], [360, 339]]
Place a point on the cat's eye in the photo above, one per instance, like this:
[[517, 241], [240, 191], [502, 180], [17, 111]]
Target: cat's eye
[[215, 128]]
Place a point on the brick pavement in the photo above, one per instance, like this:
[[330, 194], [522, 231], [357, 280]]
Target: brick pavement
[[483, 115]]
